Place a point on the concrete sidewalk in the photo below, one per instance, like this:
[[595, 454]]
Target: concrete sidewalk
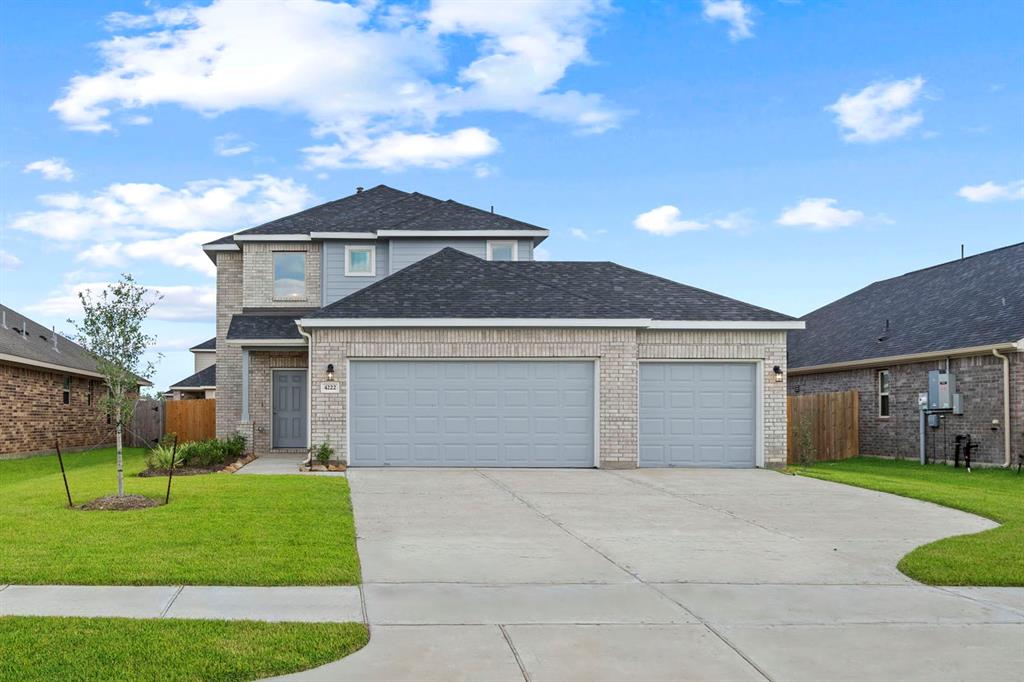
[[341, 604], [282, 464]]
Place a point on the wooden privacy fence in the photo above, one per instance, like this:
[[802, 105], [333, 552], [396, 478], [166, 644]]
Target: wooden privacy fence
[[191, 419], [822, 427], [147, 423]]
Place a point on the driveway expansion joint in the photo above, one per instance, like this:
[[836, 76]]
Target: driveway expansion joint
[[170, 602], [515, 654]]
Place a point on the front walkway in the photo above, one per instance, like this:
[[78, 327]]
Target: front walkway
[[660, 575], [341, 604]]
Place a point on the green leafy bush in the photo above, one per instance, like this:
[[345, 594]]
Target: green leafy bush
[[234, 446], [160, 457], [324, 453]]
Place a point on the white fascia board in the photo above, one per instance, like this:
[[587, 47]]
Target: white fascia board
[[343, 235], [727, 324], [467, 322], [191, 388], [266, 342], [203, 350], [220, 247], [272, 238], [461, 233], [882, 361]]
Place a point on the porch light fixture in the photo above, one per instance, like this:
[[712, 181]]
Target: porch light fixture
[[330, 372], [778, 374]]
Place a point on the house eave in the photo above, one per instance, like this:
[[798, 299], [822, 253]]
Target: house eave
[[634, 323], [272, 238], [191, 388], [266, 342], [393, 234], [882, 361], [343, 235], [64, 369]]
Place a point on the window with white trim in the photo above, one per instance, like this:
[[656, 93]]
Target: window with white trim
[[360, 261], [289, 275], [501, 250], [884, 386], [67, 390]]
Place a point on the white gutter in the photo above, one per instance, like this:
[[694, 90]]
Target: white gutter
[[462, 233], [343, 235], [272, 238], [190, 388], [900, 359], [632, 323], [64, 369], [264, 342], [309, 399], [1006, 406]]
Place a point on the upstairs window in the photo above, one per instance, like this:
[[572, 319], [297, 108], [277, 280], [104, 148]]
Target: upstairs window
[[502, 251], [360, 261], [289, 275], [67, 390], [884, 381]]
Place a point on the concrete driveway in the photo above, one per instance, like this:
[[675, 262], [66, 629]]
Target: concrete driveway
[[660, 575]]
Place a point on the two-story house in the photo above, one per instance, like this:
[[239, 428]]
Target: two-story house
[[409, 331], [202, 383]]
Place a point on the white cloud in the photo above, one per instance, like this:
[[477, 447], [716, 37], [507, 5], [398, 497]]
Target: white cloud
[[484, 170], [579, 234], [9, 261], [819, 214], [230, 144], [737, 220], [180, 303], [51, 169], [990, 191], [879, 111], [139, 120], [399, 150], [665, 221], [733, 12], [148, 210], [541, 253], [359, 72], [183, 251]]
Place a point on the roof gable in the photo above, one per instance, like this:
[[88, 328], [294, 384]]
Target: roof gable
[[976, 301]]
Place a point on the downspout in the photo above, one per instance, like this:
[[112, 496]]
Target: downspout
[[1006, 406], [309, 381]]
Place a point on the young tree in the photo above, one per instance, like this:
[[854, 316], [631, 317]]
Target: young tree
[[111, 330]]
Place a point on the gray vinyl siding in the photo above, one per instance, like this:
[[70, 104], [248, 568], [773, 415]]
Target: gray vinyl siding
[[405, 252], [336, 284]]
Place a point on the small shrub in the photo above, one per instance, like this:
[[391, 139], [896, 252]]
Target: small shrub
[[160, 457], [324, 453], [234, 446]]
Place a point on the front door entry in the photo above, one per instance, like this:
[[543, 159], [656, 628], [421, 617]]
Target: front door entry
[[289, 408]]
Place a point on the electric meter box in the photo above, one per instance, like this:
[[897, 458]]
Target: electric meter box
[[941, 387]]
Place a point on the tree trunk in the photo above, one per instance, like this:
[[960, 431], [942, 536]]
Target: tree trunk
[[120, 463]]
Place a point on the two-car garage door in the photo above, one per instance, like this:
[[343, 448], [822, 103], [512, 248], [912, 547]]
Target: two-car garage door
[[503, 413], [488, 413]]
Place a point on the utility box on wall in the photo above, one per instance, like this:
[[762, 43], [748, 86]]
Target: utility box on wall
[[941, 387]]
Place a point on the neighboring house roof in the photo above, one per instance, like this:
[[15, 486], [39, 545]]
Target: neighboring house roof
[[454, 284], [973, 302], [40, 347], [204, 378], [206, 346], [276, 326], [384, 208]]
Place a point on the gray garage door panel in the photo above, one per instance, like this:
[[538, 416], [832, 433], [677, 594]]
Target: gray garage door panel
[[472, 413], [698, 414]]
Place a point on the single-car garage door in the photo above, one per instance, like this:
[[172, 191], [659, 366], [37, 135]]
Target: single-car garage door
[[472, 413], [698, 414]]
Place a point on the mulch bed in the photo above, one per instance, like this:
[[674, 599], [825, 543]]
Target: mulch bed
[[122, 503]]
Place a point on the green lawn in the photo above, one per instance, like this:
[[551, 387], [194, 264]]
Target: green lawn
[[73, 649], [992, 557], [219, 529]]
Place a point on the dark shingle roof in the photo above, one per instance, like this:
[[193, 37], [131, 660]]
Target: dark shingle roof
[[277, 325], [38, 345], [976, 301], [201, 379], [385, 208], [209, 344], [453, 284]]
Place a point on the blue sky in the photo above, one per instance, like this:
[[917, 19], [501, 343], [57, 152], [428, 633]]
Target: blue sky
[[783, 153]]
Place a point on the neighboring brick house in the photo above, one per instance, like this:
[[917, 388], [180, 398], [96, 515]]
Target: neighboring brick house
[[882, 341], [409, 331], [203, 382], [49, 389]]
